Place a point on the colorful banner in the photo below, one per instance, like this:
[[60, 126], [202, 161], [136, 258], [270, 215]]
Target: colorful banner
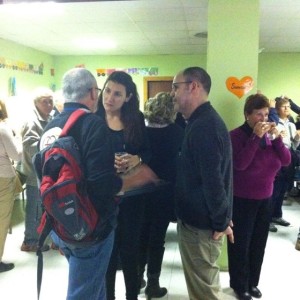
[[6, 63], [152, 71]]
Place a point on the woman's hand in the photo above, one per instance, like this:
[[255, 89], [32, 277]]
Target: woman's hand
[[262, 128], [125, 162], [132, 161], [272, 103], [121, 162], [283, 133], [273, 132]]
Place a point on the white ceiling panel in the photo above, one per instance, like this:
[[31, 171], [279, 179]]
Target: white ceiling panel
[[137, 27]]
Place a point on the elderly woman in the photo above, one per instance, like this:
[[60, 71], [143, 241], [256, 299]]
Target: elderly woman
[[165, 139], [258, 154], [9, 150]]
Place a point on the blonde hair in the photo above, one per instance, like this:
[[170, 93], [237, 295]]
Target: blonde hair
[[160, 109], [280, 101], [3, 111]]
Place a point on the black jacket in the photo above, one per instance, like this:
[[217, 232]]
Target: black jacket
[[204, 176], [91, 134]]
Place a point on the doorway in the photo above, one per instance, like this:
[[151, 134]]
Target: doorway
[[154, 85]]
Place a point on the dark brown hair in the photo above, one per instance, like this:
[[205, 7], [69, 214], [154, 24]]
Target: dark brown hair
[[255, 101], [130, 114]]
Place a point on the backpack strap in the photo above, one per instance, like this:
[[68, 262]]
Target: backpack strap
[[46, 226], [72, 120], [45, 232]]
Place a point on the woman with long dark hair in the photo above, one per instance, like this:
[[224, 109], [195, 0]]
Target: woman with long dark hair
[[119, 105]]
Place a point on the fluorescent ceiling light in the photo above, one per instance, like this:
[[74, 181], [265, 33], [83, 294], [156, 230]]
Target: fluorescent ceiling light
[[94, 43], [34, 9]]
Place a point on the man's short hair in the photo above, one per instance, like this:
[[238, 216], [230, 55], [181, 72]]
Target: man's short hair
[[198, 74]]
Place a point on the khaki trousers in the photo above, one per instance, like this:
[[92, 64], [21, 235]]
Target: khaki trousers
[[7, 198], [199, 254]]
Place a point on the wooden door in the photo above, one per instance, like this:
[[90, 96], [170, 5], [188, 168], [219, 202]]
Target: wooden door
[[154, 85]]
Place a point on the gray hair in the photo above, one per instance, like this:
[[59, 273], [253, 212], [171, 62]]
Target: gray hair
[[41, 92], [160, 109], [77, 83]]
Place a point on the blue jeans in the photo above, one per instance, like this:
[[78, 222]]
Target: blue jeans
[[33, 213], [87, 268]]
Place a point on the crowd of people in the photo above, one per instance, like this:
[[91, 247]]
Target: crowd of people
[[186, 144]]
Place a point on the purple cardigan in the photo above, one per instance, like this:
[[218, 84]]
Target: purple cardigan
[[256, 162]]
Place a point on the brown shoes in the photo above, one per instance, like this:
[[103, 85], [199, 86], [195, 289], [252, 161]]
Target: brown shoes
[[33, 248]]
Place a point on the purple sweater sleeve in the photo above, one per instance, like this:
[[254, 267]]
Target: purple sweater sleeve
[[244, 149], [255, 167]]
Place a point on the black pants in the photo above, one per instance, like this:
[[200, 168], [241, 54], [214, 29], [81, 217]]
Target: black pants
[[155, 225], [126, 246], [282, 184], [250, 228]]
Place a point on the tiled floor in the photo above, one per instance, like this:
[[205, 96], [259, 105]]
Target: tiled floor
[[279, 279]]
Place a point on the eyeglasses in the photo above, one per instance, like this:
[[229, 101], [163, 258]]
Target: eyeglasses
[[97, 89], [175, 85], [46, 101], [285, 106]]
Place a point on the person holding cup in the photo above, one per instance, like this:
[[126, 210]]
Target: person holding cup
[[284, 180], [119, 106], [258, 154]]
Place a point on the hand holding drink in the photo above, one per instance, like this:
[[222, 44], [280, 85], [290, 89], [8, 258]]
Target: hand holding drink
[[121, 162], [269, 128]]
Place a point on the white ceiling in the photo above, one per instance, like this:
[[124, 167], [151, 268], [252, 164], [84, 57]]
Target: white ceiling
[[138, 27]]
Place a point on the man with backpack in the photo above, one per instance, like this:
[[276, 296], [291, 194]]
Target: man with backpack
[[88, 261]]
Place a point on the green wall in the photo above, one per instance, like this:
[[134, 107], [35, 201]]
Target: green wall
[[15, 54], [168, 65], [278, 73]]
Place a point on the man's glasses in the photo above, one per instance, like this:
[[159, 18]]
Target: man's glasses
[[285, 106], [175, 85], [46, 101], [97, 89]]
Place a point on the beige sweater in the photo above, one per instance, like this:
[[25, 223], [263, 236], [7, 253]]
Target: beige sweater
[[10, 150], [31, 133]]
